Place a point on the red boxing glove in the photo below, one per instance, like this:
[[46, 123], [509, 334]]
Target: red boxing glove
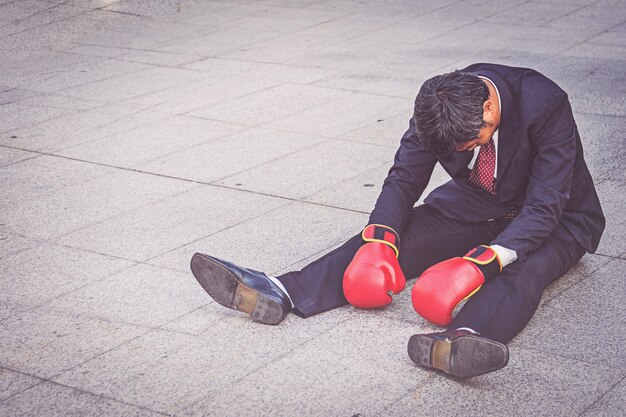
[[374, 272], [442, 287]]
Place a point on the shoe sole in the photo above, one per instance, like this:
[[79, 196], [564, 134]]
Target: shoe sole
[[224, 287], [464, 357]]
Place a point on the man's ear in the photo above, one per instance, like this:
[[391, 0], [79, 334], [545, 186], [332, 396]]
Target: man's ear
[[488, 106]]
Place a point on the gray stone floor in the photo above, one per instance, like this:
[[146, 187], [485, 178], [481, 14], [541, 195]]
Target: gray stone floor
[[134, 133]]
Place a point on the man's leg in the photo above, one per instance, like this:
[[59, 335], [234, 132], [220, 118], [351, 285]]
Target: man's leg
[[427, 238], [503, 307]]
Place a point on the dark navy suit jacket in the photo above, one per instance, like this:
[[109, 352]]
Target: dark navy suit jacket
[[541, 170]]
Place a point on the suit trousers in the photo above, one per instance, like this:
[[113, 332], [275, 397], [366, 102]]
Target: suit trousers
[[498, 311]]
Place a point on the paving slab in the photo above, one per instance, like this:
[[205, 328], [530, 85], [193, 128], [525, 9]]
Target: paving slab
[[366, 354], [161, 137], [42, 176], [133, 85], [573, 316], [159, 58], [285, 73], [12, 383], [79, 127], [217, 42], [50, 215], [154, 229], [394, 59], [33, 276], [10, 95], [272, 241], [56, 400], [366, 188], [611, 196], [549, 40], [322, 119], [44, 342], [308, 171], [59, 102], [592, 17], [535, 13], [213, 89], [82, 73], [11, 243], [270, 104], [16, 115], [385, 131], [596, 50], [234, 153], [142, 295], [560, 387], [10, 156], [611, 404], [282, 19], [207, 363]]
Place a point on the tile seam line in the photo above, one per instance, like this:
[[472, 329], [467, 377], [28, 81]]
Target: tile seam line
[[45, 304], [430, 377], [149, 67], [323, 142], [189, 181], [165, 118], [588, 39], [582, 278], [69, 17], [272, 362], [618, 371], [81, 390], [38, 12], [39, 382], [602, 396], [473, 22], [147, 261], [281, 84], [58, 71], [274, 273]]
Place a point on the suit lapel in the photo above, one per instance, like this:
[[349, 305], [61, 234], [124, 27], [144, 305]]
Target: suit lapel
[[508, 140]]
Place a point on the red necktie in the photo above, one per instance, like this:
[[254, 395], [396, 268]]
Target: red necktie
[[484, 168]]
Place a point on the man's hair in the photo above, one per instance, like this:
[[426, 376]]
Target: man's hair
[[449, 110]]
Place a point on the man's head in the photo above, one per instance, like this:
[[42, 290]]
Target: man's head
[[456, 112]]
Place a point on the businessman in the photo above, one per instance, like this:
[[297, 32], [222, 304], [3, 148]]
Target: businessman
[[519, 211]]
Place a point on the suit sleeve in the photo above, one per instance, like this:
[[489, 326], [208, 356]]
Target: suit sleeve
[[408, 177], [550, 178]]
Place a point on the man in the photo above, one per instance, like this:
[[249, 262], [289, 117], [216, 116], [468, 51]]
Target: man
[[520, 210]]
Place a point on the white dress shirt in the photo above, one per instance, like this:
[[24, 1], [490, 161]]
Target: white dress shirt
[[506, 255]]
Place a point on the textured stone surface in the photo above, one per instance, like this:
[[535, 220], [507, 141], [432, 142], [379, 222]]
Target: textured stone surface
[[240, 150], [142, 295], [170, 223], [150, 141], [532, 383], [56, 400], [308, 171], [260, 243], [35, 275], [613, 403], [12, 383], [44, 342], [597, 299]]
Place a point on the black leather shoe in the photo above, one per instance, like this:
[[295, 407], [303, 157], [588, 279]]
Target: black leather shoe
[[458, 353], [241, 289]]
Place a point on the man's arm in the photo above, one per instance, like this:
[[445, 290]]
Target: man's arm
[[374, 272], [550, 179], [405, 183]]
